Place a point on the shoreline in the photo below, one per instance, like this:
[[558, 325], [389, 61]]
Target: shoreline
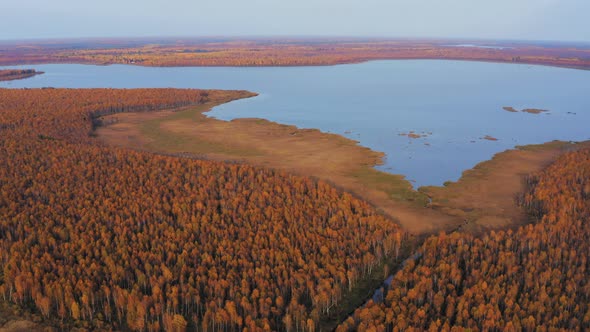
[[340, 161], [343, 63]]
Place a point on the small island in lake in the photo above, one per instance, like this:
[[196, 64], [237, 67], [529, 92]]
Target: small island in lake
[[412, 134], [510, 109], [534, 110], [489, 138], [17, 74], [526, 110]]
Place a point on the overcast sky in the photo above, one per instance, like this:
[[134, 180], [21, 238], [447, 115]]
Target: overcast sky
[[567, 20]]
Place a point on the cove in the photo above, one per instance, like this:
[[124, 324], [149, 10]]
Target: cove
[[448, 107]]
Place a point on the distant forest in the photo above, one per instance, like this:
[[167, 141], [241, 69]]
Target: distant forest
[[290, 52]]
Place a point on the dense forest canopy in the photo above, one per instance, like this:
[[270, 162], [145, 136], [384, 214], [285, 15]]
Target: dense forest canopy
[[101, 236]]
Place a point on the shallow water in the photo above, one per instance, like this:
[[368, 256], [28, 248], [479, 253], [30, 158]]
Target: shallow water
[[374, 102]]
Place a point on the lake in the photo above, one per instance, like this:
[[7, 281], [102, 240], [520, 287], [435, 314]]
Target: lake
[[453, 103]]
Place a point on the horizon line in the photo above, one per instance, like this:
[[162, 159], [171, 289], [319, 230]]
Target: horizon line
[[286, 38]]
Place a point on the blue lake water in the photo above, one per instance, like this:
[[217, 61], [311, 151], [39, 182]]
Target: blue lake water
[[374, 102]]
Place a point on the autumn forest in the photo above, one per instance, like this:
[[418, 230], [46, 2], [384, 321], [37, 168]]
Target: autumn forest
[[103, 237], [149, 242], [107, 237]]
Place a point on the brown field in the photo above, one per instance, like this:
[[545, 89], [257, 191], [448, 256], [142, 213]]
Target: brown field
[[289, 52], [482, 198]]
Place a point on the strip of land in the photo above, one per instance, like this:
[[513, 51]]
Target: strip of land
[[285, 52], [17, 74], [482, 198]]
